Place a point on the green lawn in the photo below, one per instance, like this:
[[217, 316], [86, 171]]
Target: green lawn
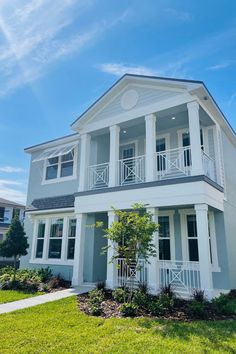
[[12, 295], [59, 327]]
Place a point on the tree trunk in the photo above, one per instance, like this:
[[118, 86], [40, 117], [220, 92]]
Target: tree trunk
[[14, 276]]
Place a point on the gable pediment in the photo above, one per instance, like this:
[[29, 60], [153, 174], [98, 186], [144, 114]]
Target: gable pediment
[[127, 96]]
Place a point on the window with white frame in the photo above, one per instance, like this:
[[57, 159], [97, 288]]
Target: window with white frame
[[2, 213], [164, 238], [40, 238], [55, 239], [71, 239], [60, 166], [192, 238]]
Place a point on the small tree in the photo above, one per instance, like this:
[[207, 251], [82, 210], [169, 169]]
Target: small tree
[[132, 236], [15, 244]]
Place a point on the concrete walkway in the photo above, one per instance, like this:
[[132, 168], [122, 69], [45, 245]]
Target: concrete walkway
[[42, 299]]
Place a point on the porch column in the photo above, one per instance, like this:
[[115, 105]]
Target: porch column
[[150, 166], [195, 141], [114, 155], [84, 161], [204, 248], [77, 278], [153, 267], [111, 266]]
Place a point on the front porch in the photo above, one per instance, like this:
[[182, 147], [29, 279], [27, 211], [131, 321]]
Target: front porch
[[186, 259]]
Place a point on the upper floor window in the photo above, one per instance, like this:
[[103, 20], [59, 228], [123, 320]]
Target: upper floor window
[[60, 166], [2, 213]]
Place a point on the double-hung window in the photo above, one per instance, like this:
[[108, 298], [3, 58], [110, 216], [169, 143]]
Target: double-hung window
[[192, 238], [164, 238], [55, 241], [60, 166], [40, 239], [2, 213], [71, 239]]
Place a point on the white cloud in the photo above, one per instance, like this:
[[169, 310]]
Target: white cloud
[[119, 69], [222, 65], [12, 190], [11, 169], [171, 69], [38, 33], [231, 99], [179, 15]]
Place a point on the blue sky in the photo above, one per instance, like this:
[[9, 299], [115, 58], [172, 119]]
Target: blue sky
[[57, 57]]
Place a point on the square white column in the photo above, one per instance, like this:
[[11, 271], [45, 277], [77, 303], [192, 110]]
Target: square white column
[[84, 161], [204, 248], [77, 278], [150, 165], [195, 141], [114, 155], [154, 267], [111, 266]]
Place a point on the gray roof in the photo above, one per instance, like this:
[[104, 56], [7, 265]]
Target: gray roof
[[58, 202], [10, 202]]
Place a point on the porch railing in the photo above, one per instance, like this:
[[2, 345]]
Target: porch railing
[[209, 166], [173, 163], [132, 170], [132, 274], [98, 176], [183, 276]]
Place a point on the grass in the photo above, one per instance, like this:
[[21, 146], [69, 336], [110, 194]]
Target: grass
[[59, 327], [13, 295]]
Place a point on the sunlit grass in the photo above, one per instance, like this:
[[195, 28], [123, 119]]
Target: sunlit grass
[[12, 295], [59, 327]]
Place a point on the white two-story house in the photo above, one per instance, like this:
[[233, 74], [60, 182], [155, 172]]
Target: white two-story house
[[158, 141]]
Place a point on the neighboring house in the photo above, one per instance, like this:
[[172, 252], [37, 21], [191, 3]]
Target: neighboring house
[[162, 142], [8, 210]]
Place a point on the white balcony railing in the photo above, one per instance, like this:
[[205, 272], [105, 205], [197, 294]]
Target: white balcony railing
[[209, 166], [98, 176], [132, 274], [173, 163], [132, 170], [183, 276]]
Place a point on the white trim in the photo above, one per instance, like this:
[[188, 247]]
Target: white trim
[[51, 261], [184, 239], [34, 213]]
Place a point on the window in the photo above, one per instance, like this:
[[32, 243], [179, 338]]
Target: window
[[164, 238], [71, 239], [1, 237], [161, 158], [60, 166], [55, 242], [2, 212], [192, 238], [40, 239]]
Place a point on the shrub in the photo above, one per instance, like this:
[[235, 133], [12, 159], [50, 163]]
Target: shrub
[[95, 310], [119, 295], [45, 274], [143, 287], [168, 290], [199, 295], [142, 299], [57, 282], [101, 285], [232, 294], [196, 309], [96, 297], [162, 305], [223, 305], [128, 309]]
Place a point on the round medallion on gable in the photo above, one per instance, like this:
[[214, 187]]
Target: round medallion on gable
[[129, 99]]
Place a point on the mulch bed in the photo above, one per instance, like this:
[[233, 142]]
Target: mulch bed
[[111, 309]]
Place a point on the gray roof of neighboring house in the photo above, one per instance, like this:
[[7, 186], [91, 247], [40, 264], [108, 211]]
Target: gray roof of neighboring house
[[58, 202], [10, 203]]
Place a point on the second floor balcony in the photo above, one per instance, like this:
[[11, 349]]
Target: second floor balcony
[[180, 142], [170, 164]]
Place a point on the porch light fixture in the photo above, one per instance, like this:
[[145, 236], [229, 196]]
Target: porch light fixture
[[124, 131], [173, 118]]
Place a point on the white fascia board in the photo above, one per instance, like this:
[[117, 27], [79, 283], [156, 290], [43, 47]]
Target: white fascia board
[[157, 196], [53, 143], [136, 113], [49, 211]]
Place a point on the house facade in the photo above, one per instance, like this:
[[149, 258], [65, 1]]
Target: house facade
[[8, 210], [158, 141]]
